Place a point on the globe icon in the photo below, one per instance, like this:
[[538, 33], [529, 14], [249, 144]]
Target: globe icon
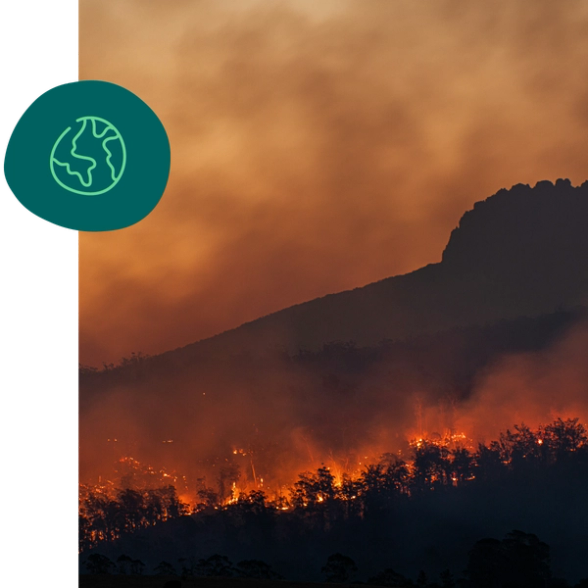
[[59, 160], [88, 158]]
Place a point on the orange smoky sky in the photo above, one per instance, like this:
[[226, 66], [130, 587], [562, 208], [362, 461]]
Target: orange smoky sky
[[318, 146]]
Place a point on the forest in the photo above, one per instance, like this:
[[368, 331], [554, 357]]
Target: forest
[[421, 522]]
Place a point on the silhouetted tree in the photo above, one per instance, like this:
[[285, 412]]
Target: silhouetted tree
[[431, 465], [215, 565], [325, 484], [173, 507], [253, 568], [164, 568], [489, 462], [565, 437], [252, 503], [447, 580], [99, 513], [97, 563], [187, 567], [339, 568], [137, 567], [209, 500], [462, 465], [527, 560], [123, 563], [127, 511], [373, 480], [312, 489], [520, 560], [396, 475], [521, 447], [350, 493]]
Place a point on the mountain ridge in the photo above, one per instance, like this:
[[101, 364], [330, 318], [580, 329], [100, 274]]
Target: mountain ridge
[[491, 269], [516, 253]]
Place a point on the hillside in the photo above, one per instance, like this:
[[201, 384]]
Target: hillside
[[520, 252]]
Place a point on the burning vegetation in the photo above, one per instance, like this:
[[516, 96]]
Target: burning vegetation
[[140, 496], [283, 457]]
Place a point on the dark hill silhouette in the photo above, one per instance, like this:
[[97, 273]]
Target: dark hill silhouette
[[521, 252]]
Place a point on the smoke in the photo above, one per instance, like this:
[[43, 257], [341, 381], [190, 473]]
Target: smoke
[[260, 422], [531, 388], [317, 148]]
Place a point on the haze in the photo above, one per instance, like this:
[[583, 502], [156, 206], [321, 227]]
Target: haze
[[317, 149]]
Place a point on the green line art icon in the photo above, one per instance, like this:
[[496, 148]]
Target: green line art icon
[[89, 181], [89, 156]]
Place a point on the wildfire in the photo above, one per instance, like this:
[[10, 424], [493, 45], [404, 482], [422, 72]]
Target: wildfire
[[449, 440], [233, 478], [234, 498]]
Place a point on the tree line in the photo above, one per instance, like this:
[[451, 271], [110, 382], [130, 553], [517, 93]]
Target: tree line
[[522, 465], [519, 560]]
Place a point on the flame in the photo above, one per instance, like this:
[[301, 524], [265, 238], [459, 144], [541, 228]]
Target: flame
[[341, 471]]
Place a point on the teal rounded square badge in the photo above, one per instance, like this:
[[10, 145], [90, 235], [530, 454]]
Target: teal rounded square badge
[[89, 156]]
